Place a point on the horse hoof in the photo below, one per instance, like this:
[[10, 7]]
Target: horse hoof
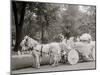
[[53, 65], [38, 67]]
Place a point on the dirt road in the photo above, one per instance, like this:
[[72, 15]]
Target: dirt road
[[61, 67]]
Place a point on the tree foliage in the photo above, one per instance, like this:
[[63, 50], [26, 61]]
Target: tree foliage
[[44, 21]]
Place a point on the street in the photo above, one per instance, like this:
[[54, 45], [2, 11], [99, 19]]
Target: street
[[61, 67]]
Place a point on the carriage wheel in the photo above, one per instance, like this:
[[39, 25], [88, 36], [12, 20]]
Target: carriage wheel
[[73, 57], [93, 53]]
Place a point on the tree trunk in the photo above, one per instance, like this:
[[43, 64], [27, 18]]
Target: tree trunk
[[19, 24], [18, 38]]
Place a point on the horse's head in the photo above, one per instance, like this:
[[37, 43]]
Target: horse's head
[[28, 43], [25, 43]]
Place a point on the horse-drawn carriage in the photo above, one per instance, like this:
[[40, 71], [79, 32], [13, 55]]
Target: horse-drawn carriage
[[66, 50], [83, 50]]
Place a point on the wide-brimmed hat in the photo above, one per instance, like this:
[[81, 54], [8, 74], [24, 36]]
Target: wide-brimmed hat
[[85, 37]]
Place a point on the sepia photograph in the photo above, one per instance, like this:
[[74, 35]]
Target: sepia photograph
[[52, 37]]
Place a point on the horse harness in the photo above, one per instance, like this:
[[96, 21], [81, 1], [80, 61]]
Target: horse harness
[[41, 51]]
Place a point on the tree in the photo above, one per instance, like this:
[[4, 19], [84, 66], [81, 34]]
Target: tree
[[44, 21], [18, 21]]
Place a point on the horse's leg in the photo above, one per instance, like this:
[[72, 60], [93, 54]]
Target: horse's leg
[[34, 59], [34, 55], [37, 61], [50, 59], [54, 63], [34, 62], [55, 60]]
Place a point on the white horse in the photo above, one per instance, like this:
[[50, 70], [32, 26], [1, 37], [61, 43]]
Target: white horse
[[51, 49], [55, 53]]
